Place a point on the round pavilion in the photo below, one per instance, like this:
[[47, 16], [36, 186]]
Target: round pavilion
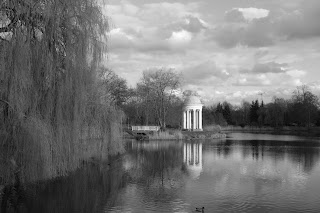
[[192, 114]]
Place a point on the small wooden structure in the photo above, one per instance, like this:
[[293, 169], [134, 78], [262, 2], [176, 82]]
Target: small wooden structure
[[142, 132], [145, 128]]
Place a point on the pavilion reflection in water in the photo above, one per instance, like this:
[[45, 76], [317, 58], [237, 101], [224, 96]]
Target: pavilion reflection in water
[[192, 157]]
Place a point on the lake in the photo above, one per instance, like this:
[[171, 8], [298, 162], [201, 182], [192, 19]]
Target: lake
[[243, 173]]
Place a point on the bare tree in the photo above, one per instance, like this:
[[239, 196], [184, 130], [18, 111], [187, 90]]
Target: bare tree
[[113, 88], [305, 104], [158, 85], [275, 114]]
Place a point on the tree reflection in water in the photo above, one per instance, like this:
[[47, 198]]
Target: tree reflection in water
[[223, 175], [85, 190]]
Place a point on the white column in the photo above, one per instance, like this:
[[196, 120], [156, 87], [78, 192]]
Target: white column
[[184, 152], [200, 119], [189, 120], [190, 116], [184, 120], [194, 120]]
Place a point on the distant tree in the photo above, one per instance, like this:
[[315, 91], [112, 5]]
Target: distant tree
[[159, 86], [208, 115], [212, 117], [254, 108], [305, 106], [115, 88], [174, 117], [219, 108], [318, 119], [246, 112], [262, 112], [226, 112], [275, 114]]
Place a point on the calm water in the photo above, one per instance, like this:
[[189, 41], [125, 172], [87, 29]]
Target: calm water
[[244, 173]]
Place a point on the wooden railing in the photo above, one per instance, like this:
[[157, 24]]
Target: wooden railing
[[145, 128]]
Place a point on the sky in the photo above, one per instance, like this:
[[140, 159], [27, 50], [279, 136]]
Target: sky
[[225, 50]]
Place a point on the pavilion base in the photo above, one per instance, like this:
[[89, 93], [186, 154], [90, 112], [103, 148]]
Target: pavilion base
[[193, 130]]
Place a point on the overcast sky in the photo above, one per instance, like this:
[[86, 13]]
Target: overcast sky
[[225, 49]]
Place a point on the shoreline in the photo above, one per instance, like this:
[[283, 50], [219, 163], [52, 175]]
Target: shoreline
[[294, 131], [177, 135]]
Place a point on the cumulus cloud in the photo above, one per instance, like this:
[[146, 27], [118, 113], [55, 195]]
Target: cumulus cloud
[[119, 39], [180, 38], [194, 24], [164, 12], [234, 15], [254, 80], [315, 87], [245, 14], [253, 34], [249, 49], [189, 23], [255, 27], [205, 72], [269, 79], [296, 73], [153, 27], [253, 13], [237, 97], [270, 67]]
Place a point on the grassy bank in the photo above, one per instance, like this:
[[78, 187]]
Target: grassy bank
[[286, 130], [166, 135], [210, 132]]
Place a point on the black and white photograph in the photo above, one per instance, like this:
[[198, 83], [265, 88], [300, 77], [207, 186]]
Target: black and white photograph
[[169, 106]]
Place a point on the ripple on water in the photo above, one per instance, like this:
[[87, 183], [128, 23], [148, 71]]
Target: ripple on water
[[245, 204]]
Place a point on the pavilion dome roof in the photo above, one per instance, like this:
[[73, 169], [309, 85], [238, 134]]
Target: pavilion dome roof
[[193, 100]]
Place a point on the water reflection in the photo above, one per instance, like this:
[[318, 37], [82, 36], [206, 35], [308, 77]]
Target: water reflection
[[240, 174], [192, 157]]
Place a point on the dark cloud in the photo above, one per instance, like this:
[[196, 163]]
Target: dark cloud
[[300, 24], [189, 23], [254, 34], [227, 36], [271, 67], [204, 73], [279, 25], [234, 15], [193, 25], [261, 53]]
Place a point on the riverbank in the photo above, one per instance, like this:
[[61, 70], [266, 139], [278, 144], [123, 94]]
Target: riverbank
[[287, 130], [177, 135]]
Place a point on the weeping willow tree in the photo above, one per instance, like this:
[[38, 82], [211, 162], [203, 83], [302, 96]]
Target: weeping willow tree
[[50, 98]]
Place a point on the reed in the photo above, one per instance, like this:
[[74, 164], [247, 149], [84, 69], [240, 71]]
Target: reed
[[212, 128], [167, 135]]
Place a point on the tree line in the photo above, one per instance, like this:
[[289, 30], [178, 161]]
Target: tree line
[[158, 100], [302, 109]]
